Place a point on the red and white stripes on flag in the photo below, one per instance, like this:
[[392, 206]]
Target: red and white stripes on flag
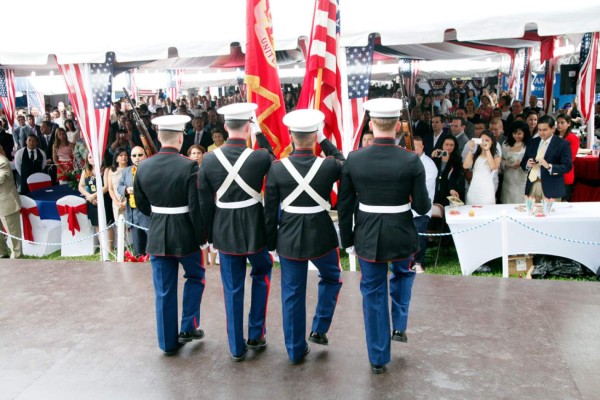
[[527, 75], [131, 84], [586, 82], [321, 88], [174, 83], [409, 72], [90, 89], [549, 86], [7, 94]]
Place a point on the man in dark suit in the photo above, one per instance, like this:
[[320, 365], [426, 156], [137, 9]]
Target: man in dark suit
[[46, 141], [423, 127], [436, 139], [230, 181], [547, 158], [301, 184], [132, 213], [384, 233], [31, 123], [165, 189]]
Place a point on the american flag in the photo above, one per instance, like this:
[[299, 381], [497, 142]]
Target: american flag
[[173, 83], [548, 85], [90, 89], [131, 84], [7, 94], [36, 100], [526, 75], [586, 82], [359, 61], [409, 70], [321, 88]]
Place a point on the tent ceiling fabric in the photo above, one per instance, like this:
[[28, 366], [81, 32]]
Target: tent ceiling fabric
[[135, 31]]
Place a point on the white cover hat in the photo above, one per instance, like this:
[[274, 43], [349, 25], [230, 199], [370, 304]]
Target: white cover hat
[[384, 107], [174, 123], [238, 111], [304, 120]]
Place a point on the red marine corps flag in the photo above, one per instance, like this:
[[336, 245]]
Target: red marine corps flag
[[262, 81]]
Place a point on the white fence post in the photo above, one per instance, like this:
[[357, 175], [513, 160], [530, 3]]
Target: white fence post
[[121, 239], [504, 244]]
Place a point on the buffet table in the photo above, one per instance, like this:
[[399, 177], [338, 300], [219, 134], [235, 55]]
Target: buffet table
[[587, 179], [576, 221]]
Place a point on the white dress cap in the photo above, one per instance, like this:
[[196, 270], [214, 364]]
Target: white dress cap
[[383, 107], [304, 120], [174, 123], [238, 111]]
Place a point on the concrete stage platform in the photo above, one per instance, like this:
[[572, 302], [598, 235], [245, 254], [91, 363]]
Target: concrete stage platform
[[84, 330]]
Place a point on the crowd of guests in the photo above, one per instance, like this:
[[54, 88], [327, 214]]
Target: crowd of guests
[[51, 143]]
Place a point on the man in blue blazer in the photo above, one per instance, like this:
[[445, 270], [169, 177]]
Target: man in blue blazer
[[547, 158]]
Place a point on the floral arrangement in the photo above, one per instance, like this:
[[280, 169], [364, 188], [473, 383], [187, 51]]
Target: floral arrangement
[[129, 257], [72, 175]]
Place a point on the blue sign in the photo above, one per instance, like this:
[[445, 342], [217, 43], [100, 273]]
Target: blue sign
[[538, 86]]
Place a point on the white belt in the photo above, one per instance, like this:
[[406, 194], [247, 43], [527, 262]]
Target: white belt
[[384, 209], [237, 204], [303, 210], [170, 210]]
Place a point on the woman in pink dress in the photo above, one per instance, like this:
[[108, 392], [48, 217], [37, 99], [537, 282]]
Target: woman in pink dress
[[62, 155]]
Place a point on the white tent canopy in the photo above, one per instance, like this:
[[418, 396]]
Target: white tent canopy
[[136, 30]]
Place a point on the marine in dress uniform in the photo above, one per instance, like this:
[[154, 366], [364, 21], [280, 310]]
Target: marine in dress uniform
[[301, 185], [165, 188], [230, 180], [387, 181]]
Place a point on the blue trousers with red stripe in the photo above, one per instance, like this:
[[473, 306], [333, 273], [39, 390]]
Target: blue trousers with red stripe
[[293, 298], [165, 273], [374, 289], [233, 275]]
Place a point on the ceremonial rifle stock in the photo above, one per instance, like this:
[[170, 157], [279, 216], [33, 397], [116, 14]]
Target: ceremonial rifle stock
[[147, 141], [406, 126]]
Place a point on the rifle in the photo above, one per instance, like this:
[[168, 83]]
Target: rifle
[[147, 141], [406, 126]]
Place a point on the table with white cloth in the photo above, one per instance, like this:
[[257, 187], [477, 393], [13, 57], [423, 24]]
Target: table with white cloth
[[477, 244]]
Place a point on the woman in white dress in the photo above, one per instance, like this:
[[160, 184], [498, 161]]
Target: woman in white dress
[[483, 159], [513, 150]]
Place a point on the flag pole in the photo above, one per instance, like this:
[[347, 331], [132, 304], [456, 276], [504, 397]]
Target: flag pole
[[317, 105]]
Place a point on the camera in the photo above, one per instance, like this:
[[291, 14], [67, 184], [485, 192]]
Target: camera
[[477, 140], [444, 153]]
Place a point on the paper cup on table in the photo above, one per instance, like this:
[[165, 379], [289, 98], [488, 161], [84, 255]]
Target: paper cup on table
[[529, 205], [455, 201]]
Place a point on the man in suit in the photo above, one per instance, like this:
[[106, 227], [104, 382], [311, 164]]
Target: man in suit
[[301, 185], [133, 214], [21, 132], [10, 205], [196, 136], [230, 181], [29, 160], [31, 123], [436, 139], [547, 158], [165, 189], [457, 127], [384, 233], [46, 140], [423, 127]]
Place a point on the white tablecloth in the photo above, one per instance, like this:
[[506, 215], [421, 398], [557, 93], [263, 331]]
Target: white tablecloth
[[576, 221]]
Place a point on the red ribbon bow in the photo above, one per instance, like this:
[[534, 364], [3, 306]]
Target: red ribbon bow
[[72, 215], [27, 230]]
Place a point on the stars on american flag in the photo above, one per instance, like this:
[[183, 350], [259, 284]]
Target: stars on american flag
[[359, 61], [101, 82], [3, 86], [585, 48]]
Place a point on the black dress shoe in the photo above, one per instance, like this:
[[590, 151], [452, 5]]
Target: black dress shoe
[[399, 336], [298, 361], [241, 357], [318, 338], [185, 337], [257, 344], [170, 353], [377, 369]]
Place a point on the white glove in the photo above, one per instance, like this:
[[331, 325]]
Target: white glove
[[212, 248], [204, 246], [274, 255], [254, 125], [350, 250], [320, 134]]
